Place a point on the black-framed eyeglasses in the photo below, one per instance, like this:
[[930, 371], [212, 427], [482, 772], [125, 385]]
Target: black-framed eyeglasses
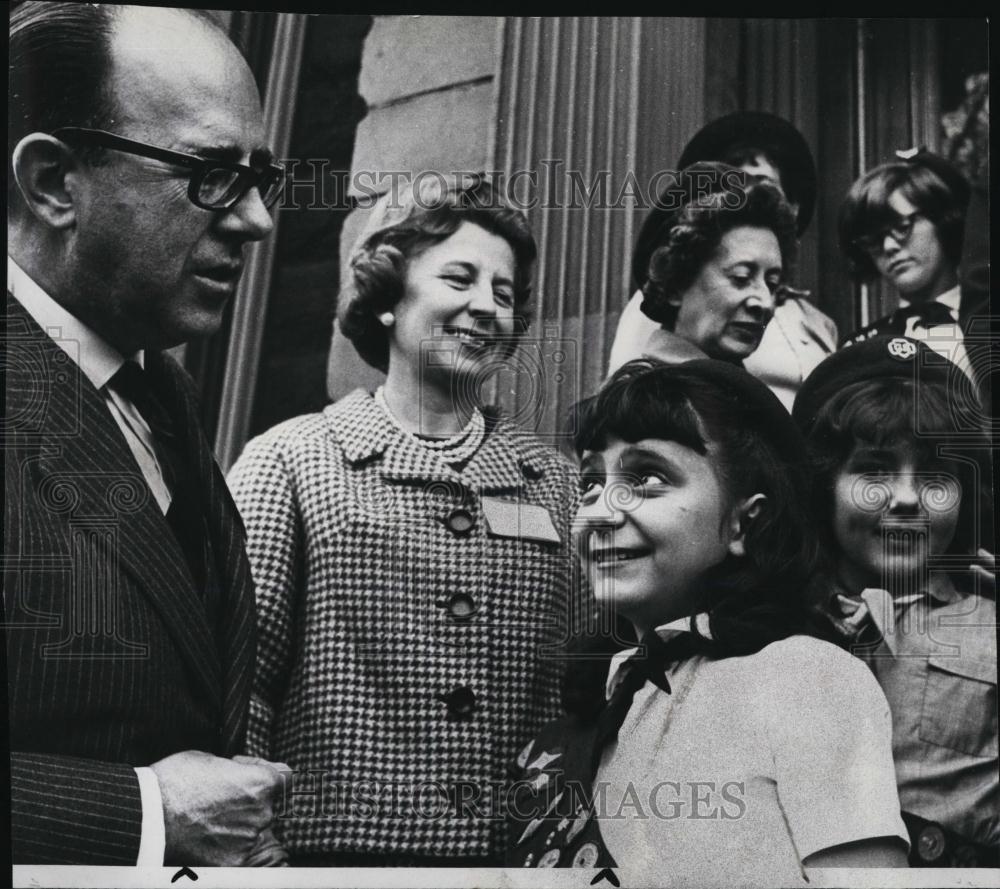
[[213, 185], [899, 231]]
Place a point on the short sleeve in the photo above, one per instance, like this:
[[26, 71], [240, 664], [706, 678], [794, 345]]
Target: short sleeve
[[831, 738]]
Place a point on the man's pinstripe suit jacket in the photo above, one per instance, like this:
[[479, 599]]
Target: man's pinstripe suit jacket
[[111, 660]]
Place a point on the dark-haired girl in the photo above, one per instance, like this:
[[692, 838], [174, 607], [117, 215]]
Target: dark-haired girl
[[905, 506], [734, 745], [904, 222], [411, 552]]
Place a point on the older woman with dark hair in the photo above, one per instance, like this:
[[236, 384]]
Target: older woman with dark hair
[[411, 552], [767, 148], [712, 284]]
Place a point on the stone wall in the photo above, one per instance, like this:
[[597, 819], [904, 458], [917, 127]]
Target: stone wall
[[429, 83], [292, 375]]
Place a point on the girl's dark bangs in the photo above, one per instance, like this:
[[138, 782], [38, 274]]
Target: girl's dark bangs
[[637, 409], [873, 212], [898, 411]]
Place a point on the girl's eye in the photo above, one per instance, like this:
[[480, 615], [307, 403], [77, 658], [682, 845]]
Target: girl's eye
[[940, 493], [459, 282], [650, 480], [503, 298], [773, 284], [740, 281]]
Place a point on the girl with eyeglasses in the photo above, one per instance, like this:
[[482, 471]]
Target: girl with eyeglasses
[[904, 222]]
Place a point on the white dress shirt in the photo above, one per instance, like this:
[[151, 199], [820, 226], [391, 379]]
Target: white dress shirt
[[945, 339], [99, 362]]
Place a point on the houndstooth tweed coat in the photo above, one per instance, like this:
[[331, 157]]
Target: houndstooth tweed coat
[[397, 709]]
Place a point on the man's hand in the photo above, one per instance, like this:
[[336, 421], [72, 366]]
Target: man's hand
[[268, 852], [215, 809]]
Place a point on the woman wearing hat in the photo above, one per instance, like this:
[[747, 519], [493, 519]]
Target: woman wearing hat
[[767, 148], [712, 282], [904, 222], [410, 550]]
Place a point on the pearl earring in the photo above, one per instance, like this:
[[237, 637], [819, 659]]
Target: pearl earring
[[387, 319]]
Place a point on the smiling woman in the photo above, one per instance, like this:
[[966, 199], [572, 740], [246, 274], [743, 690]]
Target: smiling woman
[[411, 550]]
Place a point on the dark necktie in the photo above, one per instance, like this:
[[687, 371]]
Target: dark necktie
[[927, 314], [648, 664], [185, 515]]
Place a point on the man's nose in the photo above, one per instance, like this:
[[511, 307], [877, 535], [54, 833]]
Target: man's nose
[[248, 217]]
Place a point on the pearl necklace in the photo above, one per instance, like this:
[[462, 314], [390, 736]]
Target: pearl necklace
[[455, 449]]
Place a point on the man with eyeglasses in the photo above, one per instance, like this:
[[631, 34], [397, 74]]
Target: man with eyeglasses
[[137, 178]]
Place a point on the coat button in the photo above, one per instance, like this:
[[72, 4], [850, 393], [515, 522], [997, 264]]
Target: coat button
[[460, 521], [930, 843], [460, 701], [530, 472], [461, 606]]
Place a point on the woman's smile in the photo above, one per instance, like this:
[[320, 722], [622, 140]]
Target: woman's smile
[[457, 309]]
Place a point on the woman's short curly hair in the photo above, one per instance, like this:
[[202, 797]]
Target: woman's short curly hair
[[425, 211], [866, 209], [697, 233]]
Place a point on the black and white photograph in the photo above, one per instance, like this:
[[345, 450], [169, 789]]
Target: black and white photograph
[[498, 451]]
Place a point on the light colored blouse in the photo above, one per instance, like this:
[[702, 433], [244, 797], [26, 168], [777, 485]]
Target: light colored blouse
[[750, 765], [798, 338]]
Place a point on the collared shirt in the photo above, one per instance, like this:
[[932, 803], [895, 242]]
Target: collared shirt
[[99, 362], [937, 664], [945, 339], [748, 767], [797, 339]]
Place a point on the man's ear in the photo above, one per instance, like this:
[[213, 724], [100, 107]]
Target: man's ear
[[742, 515], [43, 169]]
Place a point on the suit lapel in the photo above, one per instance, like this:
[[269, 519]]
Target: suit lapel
[[83, 455], [237, 621]]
